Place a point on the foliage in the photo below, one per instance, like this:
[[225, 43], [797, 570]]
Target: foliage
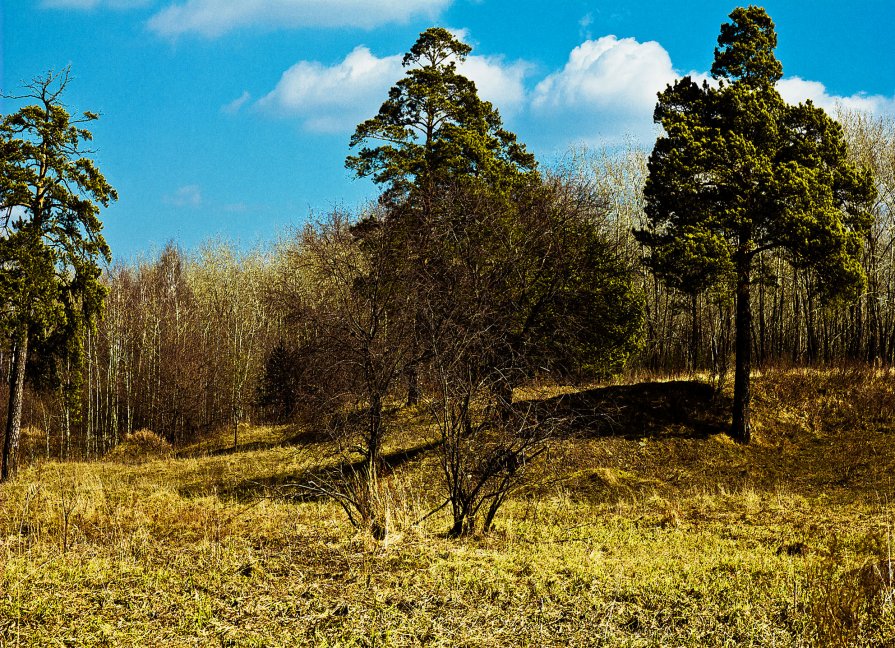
[[503, 272], [739, 172], [512, 290], [434, 128], [180, 346], [435, 134], [50, 199], [533, 278], [342, 294], [280, 385], [229, 289]]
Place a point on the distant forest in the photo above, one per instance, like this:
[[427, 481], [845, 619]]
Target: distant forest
[[476, 265], [189, 340]]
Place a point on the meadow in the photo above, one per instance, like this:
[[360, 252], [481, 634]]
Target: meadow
[[644, 526]]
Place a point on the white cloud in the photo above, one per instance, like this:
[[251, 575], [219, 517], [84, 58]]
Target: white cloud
[[584, 26], [186, 196], [461, 34], [606, 91], [501, 83], [336, 98], [211, 18], [234, 106], [796, 90]]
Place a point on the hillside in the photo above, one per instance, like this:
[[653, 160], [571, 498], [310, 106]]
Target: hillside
[[645, 526]]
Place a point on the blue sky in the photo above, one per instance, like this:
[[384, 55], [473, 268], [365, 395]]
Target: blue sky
[[231, 118]]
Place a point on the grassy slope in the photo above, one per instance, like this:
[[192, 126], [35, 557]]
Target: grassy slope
[[647, 528]]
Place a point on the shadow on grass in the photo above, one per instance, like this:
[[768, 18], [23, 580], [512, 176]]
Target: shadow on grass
[[298, 487], [680, 408], [674, 409], [293, 435]]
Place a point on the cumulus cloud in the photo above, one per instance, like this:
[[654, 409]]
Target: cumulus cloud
[[606, 90], [500, 82], [335, 98], [796, 90], [212, 18]]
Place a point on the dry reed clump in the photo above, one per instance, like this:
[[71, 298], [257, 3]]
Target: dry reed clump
[[850, 607], [139, 447], [852, 398]]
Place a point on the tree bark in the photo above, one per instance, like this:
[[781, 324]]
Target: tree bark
[[371, 468], [762, 321], [741, 430], [693, 354], [14, 409], [413, 384], [374, 437]]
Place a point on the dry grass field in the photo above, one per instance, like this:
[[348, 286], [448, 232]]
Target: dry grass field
[[645, 526]]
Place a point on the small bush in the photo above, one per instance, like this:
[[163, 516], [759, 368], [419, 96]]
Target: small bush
[[139, 447]]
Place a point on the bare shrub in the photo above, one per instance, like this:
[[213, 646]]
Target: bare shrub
[[486, 452], [342, 291], [514, 289]]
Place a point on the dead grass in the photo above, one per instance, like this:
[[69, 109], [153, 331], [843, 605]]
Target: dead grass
[[659, 536], [139, 447]]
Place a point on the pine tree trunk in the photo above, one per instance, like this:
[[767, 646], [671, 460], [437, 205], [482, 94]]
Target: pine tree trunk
[[762, 321], [693, 353], [741, 430], [14, 409]]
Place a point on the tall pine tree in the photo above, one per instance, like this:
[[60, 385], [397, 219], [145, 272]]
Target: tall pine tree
[[434, 128], [434, 134], [50, 243], [737, 172]]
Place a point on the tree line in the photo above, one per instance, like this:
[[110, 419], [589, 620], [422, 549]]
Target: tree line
[[156, 334], [753, 233]]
